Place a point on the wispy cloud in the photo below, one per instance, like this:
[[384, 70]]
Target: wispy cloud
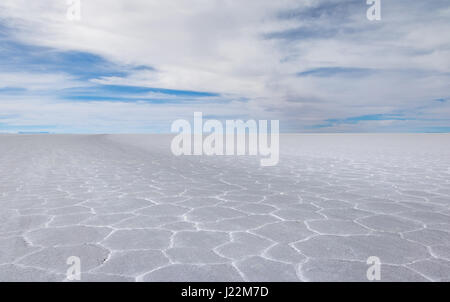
[[134, 66], [335, 71]]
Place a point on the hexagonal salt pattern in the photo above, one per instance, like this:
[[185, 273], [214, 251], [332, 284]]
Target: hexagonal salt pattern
[[131, 211]]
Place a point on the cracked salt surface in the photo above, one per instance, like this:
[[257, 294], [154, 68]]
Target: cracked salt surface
[[131, 211]]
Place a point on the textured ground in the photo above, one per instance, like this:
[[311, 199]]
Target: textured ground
[[132, 211]]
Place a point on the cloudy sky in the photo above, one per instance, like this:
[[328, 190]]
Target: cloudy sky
[[137, 65]]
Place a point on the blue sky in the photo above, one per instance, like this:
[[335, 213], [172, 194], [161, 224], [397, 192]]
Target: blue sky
[[136, 66]]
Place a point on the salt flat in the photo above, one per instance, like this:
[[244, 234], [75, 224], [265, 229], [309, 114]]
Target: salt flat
[[131, 211]]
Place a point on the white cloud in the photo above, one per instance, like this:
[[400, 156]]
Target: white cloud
[[36, 81], [222, 46]]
